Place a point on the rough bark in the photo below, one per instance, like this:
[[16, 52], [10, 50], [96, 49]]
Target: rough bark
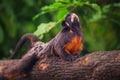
[[104, 65]]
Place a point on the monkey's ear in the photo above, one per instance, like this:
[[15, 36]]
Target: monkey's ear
[[65, 24]]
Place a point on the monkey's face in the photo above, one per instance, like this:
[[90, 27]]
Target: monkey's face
[[71, 21]]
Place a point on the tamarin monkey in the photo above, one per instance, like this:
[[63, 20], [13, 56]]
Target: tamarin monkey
[[67, 44]]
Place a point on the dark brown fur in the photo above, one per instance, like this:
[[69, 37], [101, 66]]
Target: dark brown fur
[[27, 37], [66, 36]]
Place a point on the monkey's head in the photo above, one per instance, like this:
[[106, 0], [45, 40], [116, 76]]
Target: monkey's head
[[71, 22]]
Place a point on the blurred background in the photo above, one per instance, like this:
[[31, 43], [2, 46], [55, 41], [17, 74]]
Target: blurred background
[[100, 20]]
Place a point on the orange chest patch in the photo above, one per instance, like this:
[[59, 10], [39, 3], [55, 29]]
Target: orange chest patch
[[74, 46]]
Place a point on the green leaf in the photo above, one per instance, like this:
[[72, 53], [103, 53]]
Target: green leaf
[[64, 1], [106, 8], [81, 3], [61, 14], [50, 8], [44, 28], [117, 4], [98, 14], [1, 35]]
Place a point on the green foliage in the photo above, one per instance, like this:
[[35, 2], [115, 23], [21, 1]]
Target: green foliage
[[1, 35], [95, 18], [99, 20], [44, 28]]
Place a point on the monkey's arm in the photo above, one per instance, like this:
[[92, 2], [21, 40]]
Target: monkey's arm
[[27, 37]]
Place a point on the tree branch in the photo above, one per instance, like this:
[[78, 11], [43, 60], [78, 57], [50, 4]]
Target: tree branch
[[95, 66]]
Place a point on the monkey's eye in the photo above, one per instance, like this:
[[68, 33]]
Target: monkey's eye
[[65, 24]]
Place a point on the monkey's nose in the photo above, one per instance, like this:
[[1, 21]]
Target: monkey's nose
[[74, 17]]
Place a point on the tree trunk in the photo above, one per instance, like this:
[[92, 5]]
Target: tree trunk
[[95, 66]]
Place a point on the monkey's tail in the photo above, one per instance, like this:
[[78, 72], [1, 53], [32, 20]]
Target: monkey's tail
[[27, 37]]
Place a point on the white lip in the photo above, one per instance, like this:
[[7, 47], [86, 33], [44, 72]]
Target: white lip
[[73, 15]]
